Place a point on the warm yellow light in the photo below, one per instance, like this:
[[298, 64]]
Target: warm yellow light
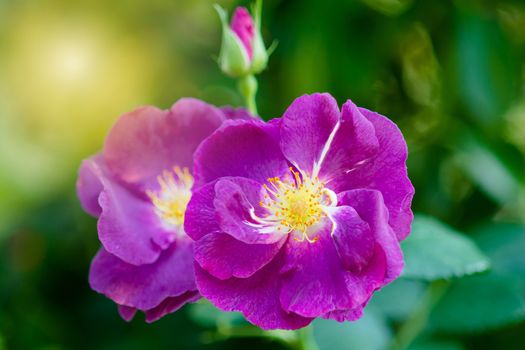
[[71, 62], [64, 80]]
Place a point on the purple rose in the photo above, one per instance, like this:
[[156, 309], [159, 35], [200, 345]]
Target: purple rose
[[300, 217], [138, 188]]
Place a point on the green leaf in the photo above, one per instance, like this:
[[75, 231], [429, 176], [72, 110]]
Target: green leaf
[[368, 333], [505, 245], [479, 302], [435, 251], [487, 169], [487, 73], [490, 300], [398, 299]]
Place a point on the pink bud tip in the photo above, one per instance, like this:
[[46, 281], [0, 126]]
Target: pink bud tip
[[242, 26]]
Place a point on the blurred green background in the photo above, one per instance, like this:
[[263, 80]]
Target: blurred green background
[[450, 73]]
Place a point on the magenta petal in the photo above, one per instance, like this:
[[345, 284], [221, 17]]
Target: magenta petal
[[352, 237], [242, 25], [224, 206], [200, 218], [169, 305], [224, 256], [345, 315], [235, 198], [147, 141], [371, 208], [89, 184], [236, 113], [257, 297], [144, 287], [126, 312], [245, 148], [128, 226], [354, 142], [386, 172], [316, 282], [306, 127]]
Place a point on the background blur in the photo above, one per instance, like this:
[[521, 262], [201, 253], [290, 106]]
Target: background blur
[[450, 73]]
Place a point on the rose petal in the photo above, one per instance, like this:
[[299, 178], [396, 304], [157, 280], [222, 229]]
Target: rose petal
[[224, 206], [315, 281], [169, 305], [224, 256], [236, 113], [245, 148], [306, 128], [257, 297], [354, 142], [234, 199], [128, 226], [386, 172], [89, 184], [144, 287], [352, 237], [371, 208], [126, 312], [147, 141], [200, 217], [345, 315]]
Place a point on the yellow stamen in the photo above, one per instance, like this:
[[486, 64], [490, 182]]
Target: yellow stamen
[[171, 199], [295, 204]]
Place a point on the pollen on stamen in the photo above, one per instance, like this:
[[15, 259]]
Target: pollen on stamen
[[295, 203], [174, 193]]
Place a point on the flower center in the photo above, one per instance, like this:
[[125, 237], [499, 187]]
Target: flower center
[[296, 203], [171, 199]]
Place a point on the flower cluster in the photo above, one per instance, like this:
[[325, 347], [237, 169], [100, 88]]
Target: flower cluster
[[285, 221]]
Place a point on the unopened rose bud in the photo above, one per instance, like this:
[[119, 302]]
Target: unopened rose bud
[[242, 51], [233, 58], [259, 52]]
